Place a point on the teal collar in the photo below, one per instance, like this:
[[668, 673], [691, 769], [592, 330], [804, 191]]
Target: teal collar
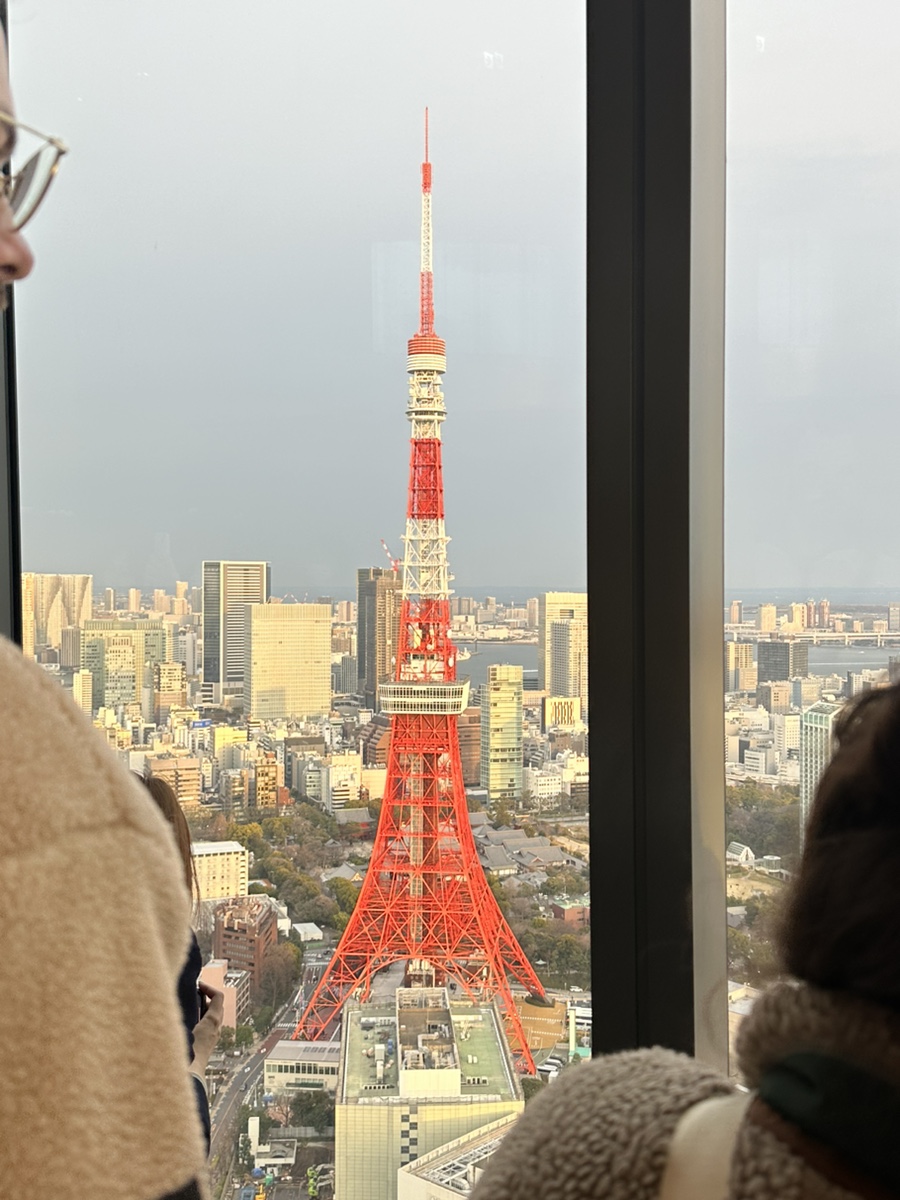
[[854, 1113]]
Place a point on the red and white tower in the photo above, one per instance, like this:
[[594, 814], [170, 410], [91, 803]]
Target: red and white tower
[[425, 895]]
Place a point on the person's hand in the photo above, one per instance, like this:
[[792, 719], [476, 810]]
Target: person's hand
[[206, 1031]]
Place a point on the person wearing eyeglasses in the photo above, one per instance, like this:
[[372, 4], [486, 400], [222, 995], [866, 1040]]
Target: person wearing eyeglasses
[[94, 912]]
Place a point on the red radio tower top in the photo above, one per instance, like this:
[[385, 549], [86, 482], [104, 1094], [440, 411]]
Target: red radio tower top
[[425, 342]]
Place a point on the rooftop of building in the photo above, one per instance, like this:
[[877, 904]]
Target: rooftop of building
[[457, 1165], [199, 849], [299, 1051], [460, 1048]]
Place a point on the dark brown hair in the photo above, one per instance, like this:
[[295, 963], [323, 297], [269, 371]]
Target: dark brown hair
[[841, 925], [165, 797]]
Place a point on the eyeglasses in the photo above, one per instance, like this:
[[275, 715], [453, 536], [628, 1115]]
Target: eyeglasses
[[26, 186]]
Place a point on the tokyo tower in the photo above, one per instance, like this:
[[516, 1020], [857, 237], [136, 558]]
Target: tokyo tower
[[425, 895]]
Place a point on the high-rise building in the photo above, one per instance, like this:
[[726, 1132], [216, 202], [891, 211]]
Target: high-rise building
[[816, 749], [169, 689], [781, 660], [245, 930], [378, 596], [894, 617], [344, 680], [799, 615], [738, 657], [109, 599], [83, 691], [569, 659], [228, 589], [736, 612], [501, 733], [823, 613], [555, 606], [767, 618], [115, 668], [181, 589], [28, 614], [417, 1073], [222, 869], [287, 668], [60, 601], [70, 647], [134, 600]]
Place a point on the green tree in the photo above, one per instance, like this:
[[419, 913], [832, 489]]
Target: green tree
[[262, 1018], [313, 1106], [243, 1037], [226, 1038], [531, 1087], [345, 894], [280, 970]]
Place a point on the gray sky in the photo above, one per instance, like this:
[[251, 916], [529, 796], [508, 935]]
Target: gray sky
[[813, 307], [212, 347]]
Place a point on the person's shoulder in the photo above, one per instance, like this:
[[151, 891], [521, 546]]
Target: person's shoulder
[[59, 775], [602, 1129]]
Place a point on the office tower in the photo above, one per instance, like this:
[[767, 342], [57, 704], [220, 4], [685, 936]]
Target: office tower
[[425, 895], [344, 681], [823, 613], [70, 647], [109, 599], [736, 612], [767, 618], [738, 657], [378, 597], [162, 601], [287, 668], [420, 1069], [181, 589], [83, 691], [228, 589], [184, 650], [816, 749], [555, 606], [532, 606], [811, 615], [28, 614], [114, 667], [182, 772], [60, 601], [169, 689], [786, 728], [134, 600], [501, 733], [894, 617], [569, 659], [781, 660]]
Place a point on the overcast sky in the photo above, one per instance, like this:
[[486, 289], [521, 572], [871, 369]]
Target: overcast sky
[[813, 295], [213, 345]]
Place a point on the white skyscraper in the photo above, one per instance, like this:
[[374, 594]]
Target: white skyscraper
[[287, 669], [569, 660], [501, 733], [816, 749], [228, 588], [555, 606]]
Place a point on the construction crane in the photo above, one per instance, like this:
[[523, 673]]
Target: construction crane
[[396, 563]]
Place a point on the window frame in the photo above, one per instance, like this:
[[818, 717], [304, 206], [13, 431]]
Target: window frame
[[655, 369]]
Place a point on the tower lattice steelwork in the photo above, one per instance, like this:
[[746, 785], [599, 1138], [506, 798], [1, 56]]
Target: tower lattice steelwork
[[425, 895]]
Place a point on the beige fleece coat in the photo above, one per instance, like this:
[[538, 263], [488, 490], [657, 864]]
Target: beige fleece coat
[[95, 1096], [604, 1129]]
